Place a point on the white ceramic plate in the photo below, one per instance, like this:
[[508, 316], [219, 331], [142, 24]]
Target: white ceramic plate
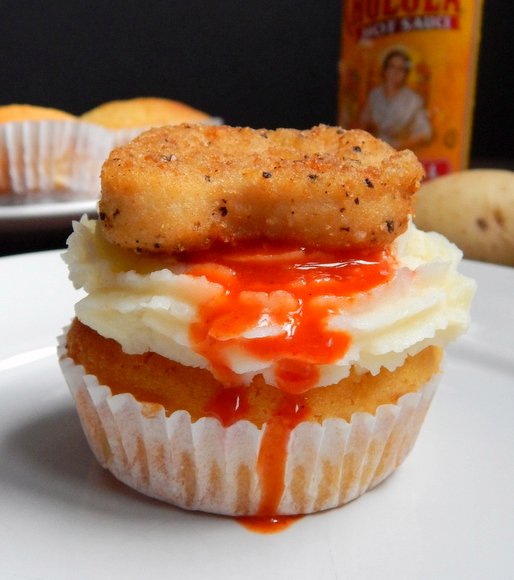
[[43, 216], [447, 513]]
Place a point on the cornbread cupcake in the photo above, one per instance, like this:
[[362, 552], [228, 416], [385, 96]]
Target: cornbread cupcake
[[129, 117], [263, 327], [22, 112], [143, 112], [47, 155]]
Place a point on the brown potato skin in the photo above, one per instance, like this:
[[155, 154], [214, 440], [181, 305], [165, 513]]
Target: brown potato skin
[[189, 187], [474, 209]]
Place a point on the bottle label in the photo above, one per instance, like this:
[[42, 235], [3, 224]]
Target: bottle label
[[407, 75]]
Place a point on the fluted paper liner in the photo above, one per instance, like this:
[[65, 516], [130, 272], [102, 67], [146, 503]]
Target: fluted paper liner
[[52, 156], [206, 466]]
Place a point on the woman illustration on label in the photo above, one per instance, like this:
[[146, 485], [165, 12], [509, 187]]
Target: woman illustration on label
[[394, 112]]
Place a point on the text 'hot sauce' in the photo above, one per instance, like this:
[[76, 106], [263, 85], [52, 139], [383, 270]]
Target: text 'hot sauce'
[[408, 75], [295, 291]]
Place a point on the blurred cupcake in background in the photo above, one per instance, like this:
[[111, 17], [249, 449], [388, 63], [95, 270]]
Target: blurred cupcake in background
[[48, 155], [129, 117]]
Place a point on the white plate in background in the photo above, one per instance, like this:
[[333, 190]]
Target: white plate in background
[[447, 513], [43, 216]]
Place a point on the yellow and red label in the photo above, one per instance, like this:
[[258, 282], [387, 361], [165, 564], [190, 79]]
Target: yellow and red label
[[408, 73]]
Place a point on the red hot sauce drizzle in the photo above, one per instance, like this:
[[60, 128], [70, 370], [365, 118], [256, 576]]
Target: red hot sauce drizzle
[[295, 289]]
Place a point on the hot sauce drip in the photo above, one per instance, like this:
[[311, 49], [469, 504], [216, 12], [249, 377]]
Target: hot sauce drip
[[231, 405], [292, 291], [271, 463]]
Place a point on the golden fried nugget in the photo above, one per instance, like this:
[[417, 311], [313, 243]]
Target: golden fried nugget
[[189, 187], [143, 112], [15, 112], [152, 378]]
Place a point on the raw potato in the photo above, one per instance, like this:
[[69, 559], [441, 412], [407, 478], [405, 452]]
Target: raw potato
[[474, 209]]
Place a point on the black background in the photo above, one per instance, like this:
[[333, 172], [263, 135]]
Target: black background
[[265, 63]]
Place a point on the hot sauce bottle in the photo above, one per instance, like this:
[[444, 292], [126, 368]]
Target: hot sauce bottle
[[408, 75]]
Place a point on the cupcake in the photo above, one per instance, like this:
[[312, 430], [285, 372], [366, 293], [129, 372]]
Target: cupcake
[[263, 326], [47, 155], [129, 117], [22, 112]]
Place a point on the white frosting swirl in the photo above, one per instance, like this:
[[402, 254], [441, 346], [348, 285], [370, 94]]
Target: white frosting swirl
[[147, 305]]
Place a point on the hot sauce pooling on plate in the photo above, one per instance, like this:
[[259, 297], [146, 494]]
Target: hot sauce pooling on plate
[[268, 525], [295, 289]]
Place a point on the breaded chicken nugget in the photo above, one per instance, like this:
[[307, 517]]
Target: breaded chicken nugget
[[189, 187], [143, 112]]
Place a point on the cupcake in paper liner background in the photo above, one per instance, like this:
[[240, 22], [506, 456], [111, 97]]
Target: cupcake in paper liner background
[[49, 155], [127, 118]]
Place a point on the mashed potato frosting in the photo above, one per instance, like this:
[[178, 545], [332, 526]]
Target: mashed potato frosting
[[155, 302]]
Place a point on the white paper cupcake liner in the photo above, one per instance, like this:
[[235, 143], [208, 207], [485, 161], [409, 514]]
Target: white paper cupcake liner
[[57, 160], [208, 467], [52, 156]]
